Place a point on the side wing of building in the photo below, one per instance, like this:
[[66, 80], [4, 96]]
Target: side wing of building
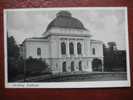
[[35, 48]]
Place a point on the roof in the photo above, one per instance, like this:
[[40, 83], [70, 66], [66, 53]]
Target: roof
[[64, 19], [96, 41], [34, 39]]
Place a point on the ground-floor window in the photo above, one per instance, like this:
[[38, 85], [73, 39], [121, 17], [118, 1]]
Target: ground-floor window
[[39, 51], [93, 51], [80, 65], [64, 67]]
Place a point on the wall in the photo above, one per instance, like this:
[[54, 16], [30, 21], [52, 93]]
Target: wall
[[59, 35], [31, 49], [98, 48], [57, 64]]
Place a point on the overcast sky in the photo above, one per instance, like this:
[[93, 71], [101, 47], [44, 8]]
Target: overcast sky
[[106, 25]]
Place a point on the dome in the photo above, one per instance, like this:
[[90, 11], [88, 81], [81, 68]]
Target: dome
[[64, 19], [64, 13]]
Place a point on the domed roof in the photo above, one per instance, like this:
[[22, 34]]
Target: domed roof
[[64, 19]]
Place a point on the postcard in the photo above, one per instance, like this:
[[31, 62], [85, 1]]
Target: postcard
[[74, 47]]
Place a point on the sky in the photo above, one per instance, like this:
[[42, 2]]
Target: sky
[[104, 24]]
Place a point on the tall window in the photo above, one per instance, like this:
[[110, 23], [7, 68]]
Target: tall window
[[39, 51], [72, 66], [64, 67], [71, 48], [63, 48], [79, 50], [80, 65], [93, 51]]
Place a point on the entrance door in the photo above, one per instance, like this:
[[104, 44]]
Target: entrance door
[[80, 66], [64, 67], [97, 65], [72, 66]]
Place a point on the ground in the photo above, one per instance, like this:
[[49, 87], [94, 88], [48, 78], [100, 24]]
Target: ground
[[78, 76]]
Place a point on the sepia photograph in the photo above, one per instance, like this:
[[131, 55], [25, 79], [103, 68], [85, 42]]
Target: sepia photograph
[[83, 47]]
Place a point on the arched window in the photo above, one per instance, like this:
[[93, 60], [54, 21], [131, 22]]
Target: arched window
[[72, 66], [79, 48], [63, 48], [97, 64], [39, 51], [71, 48], [64, 67], [80, 65], [93, 51]]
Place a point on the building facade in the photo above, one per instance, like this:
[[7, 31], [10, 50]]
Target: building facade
[[66, 46]]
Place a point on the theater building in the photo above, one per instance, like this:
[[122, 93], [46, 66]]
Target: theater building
[[66, 46]]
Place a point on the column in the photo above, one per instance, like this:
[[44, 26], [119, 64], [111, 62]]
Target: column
[[102, 65], [75, 48], [59, 49], [83, 48], [67, 48], [90, 66]]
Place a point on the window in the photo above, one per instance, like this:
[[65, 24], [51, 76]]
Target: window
[[56, 65], [79, 48], [71, 48], [80, 65], [93, 51], [39, 51], [72, 66], [64, 66], [63, 48]]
